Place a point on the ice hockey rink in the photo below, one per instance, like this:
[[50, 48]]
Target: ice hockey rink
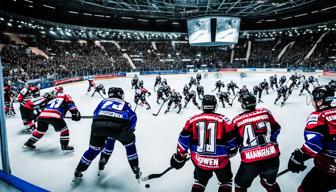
[[156, 139]]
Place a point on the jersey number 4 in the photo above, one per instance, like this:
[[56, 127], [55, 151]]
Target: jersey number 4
[[206, 136], [250, 138]]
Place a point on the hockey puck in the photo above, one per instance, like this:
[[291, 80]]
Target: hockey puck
[[147, 185]]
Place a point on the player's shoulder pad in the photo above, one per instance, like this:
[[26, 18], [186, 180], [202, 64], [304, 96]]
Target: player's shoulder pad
[[313, 118]]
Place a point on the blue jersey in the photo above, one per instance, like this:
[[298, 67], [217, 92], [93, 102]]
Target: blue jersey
[[58, 107], [116, 108]]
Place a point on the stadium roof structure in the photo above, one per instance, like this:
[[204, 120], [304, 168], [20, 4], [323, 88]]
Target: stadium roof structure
[[171, 15]]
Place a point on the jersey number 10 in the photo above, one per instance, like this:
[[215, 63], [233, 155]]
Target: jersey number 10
[[206, 142]]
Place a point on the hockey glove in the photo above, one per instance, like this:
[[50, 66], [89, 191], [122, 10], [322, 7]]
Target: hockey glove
[[76, 116], [296, 161], [177, 161], [233, 151]]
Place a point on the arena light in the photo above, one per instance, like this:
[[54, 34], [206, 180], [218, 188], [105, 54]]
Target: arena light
[[9, 24]]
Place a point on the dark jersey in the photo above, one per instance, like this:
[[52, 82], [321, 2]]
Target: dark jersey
[[232, 85], [219, 84], [283, 90], [158, 79], [263, 84], [243, 91], [209, 137], [258, 132]]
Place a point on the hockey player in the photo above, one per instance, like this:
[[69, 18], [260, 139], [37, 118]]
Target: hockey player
[[257, 92], [141, 96], [219, 84], [320, 144], [134, 81], [274, 81], [157, 81], [91, 84], [210, 138], [191, 96], [192, 82], [35, 90], [200, 91], [8, 99], [305, 86], [224, 97], [141, 85], [232, 86], [27, 114], [282, 80], [98, 89], [313, 81], [332, 85], [242, 91], [198, 78], [176, 99], [185, 90], [113, 120], [257, 133], [53, 114], [166, 90], [264, 86], [282, 92], [160, 95], [164, 82]]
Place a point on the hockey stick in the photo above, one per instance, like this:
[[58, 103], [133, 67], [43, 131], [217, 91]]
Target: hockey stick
[[308, 99], [233, 99], [136, 106], [83, 117], [156, 114], [286, 171], [158, 175]]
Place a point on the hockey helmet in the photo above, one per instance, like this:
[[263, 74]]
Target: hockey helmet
[[209, 103], [116, 92], [324, 93], [248, 102]]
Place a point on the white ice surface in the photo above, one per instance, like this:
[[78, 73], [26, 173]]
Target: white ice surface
[[156, 141]]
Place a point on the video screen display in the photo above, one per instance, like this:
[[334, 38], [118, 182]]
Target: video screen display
[[227, 29], [199, 30]]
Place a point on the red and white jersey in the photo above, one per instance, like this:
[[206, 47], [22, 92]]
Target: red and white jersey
[[258, 131], [25, 94], [92, 83], [210, 137], [32, 104]]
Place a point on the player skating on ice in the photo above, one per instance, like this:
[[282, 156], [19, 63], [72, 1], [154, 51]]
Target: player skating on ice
[[332, 85], [191, 96], [92, 84], [257, 92], [257, 133], [282, 92], [305, 86], [140, 96], [192, 82], [264, 86], [157, 81], [320, 144], [113, 120], [175, 98], [200, 91], [274, 81], [166, 90], [134, 82], [100, 89], [232, 86], [9, 98], [27, 114], [185, 90], [282, 80], [313, 81], [211, 141], [224, 97], [219, 84], [198, 78], [243, 91], [53, 115], [160, 95]]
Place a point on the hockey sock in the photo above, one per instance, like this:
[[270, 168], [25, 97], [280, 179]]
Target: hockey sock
[[270, 187], [88, 156], [106, 153], [37, 135], [197, 187], [132, 155], [225, 187], [29, 124], [64, 137]]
